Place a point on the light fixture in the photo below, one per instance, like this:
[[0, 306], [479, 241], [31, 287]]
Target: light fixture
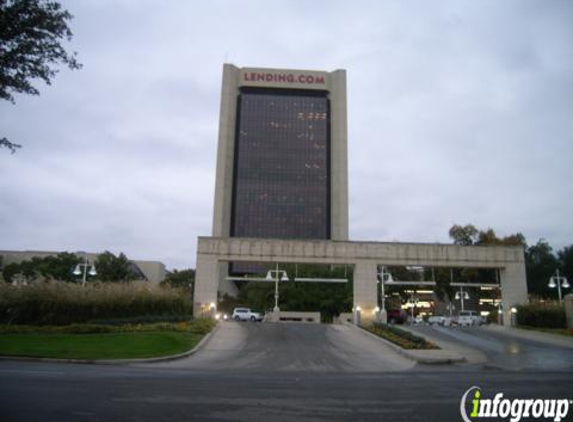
[[93, 271], [552, 283], [565, 284], [212, 305], [358, 309], [377, 309], [284, 277], [269, 276], [513, 310], [390, 279], [77, 270]]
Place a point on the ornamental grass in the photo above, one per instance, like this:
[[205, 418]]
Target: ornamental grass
[[61, 303]]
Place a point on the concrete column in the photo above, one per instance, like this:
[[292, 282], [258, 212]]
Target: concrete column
[[513, 289], [226, 152], [568, 300], [339, 156], [206, 284], [365, 293], [226, 286]]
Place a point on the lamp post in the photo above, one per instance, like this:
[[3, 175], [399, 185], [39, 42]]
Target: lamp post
[[87, 269], [382, 314], [558, 281], [450, 307], [413, 301], [461, 295], [270, 277]]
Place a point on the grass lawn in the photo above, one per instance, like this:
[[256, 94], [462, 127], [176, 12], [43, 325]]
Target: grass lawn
[[98, 346]]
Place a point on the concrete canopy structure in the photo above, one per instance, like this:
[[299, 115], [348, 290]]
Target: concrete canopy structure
[[364, 257]]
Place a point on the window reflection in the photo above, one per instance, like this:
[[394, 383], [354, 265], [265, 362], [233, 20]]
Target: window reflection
[[281, 188]]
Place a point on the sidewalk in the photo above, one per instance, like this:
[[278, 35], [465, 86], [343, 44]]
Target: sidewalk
[[532, 335], [432, 357]]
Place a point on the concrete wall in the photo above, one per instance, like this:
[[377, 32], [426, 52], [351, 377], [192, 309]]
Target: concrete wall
[[364, 256], [286, 316], [569, 309]]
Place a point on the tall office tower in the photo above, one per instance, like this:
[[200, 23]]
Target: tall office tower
[[282, 155]]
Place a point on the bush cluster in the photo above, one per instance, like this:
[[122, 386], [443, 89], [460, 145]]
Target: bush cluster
[[59, 303], [542, 315], [402, 338], [200, 326]]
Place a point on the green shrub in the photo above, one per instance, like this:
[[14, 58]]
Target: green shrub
[[60, 303], [402, 338], [141, 319], [543, 315], [199, 326]]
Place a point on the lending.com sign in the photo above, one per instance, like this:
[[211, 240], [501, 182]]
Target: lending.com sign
[[474, 407]]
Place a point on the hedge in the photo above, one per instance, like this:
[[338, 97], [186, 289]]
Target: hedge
[[199, 326], [61, 303], [542, 315]]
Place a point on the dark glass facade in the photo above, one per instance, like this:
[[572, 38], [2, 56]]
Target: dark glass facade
[[282, 165]]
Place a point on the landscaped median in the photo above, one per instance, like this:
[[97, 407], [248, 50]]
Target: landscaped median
[[410, 345], [103, 341], [401, 338]]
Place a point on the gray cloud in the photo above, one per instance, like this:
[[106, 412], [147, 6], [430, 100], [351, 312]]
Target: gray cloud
[[458, 112]]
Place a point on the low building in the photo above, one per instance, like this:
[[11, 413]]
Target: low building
[[151, 271]]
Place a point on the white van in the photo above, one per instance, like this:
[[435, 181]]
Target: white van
[[468, 319]]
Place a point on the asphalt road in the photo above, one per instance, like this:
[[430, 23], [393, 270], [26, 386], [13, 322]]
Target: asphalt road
[[77, 393], [264, 372], [293, 347], [503, 351]]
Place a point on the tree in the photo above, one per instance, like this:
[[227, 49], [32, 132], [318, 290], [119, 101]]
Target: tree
[[565, 257], [31, 32], [58, 268], [463, 235], [540, 263], [183, 278], [114, 268]]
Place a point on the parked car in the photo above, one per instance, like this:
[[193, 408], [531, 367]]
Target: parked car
[[468, 319], [396, 316], [246, 314], [436, 320]]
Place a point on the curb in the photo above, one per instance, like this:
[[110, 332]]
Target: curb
[[116, 361], [428, 360]]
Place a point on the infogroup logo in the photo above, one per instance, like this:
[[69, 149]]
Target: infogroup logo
[[514, 409]]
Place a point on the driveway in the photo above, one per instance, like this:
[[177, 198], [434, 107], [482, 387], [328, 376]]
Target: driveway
[[503, 350], [292, 346]]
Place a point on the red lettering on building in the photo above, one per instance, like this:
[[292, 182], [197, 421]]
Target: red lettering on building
[[283, 78]]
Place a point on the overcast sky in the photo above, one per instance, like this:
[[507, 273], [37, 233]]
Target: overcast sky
[[458, 112]]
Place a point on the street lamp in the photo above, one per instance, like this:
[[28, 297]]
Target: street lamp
[[461, 295], [270, 277], [384, 276], [87, 269], [558, 281], [413, 301]]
